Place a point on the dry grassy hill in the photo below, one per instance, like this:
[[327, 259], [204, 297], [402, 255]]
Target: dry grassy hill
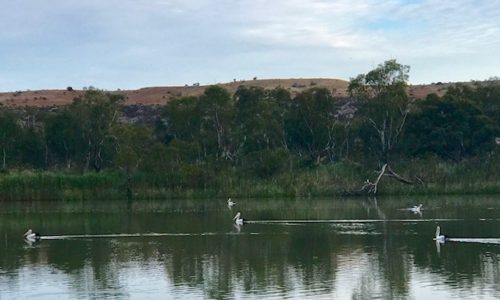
[[161, 95]]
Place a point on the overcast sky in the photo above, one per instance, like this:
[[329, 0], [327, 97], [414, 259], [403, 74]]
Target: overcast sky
[[129, 44]]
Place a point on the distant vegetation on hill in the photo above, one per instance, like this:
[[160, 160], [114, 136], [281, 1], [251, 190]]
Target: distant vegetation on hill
[[150, 96], [263, 142]]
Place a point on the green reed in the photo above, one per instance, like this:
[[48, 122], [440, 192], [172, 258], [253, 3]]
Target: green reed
[[430, 177]]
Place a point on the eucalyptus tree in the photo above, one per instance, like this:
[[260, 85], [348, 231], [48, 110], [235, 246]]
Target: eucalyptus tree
[[258, 130], [9, 132], [31, 148], [64, 137], [180, 128], [283, 100], [180, 119], [97, 112], [217, 113], [132, 143], [485, 95], [311, 124], [257, 122], [450, 127], [383, 107]]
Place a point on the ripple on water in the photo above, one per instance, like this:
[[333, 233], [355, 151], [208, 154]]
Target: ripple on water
[[355, 228]]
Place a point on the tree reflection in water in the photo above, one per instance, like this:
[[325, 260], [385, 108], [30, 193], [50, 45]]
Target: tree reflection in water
[[213, 260]]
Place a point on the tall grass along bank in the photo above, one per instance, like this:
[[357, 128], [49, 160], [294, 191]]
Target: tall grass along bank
[[437, 177]]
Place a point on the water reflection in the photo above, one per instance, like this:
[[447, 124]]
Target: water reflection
[[109, 249]]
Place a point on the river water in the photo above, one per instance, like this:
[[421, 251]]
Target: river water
[[292, 248]]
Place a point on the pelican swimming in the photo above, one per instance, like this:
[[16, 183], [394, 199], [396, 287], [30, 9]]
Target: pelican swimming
[[32, 236], [416, 209], [238, 220], [230, 203], [441, 238]]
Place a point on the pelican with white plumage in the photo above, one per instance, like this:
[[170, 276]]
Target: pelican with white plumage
[[416, 209], [32, 236], [230, 203], [238, 220], [441, 238]]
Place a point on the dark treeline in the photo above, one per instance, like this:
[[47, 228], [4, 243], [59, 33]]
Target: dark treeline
[[258, 133]]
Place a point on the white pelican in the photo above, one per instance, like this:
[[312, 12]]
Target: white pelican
[[32, 236], [238, 220], [416, 209], [230, 202], [441, 238]]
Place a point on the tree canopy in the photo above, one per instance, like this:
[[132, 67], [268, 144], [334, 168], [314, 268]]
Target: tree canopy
[[258, 132]]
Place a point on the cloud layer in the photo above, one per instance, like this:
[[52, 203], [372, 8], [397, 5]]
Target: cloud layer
[[129, 43]]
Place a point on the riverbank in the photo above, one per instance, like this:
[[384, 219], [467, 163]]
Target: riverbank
[[434, 178]]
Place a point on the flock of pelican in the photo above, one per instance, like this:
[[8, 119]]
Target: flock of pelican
[[32, 237], [439, 238]]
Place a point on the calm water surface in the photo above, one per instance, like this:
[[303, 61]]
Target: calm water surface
[[348, 249]]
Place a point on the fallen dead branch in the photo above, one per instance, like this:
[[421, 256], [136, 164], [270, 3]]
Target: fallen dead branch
[[371, 188]]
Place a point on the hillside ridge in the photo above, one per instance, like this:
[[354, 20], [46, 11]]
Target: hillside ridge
[[162, 94]]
